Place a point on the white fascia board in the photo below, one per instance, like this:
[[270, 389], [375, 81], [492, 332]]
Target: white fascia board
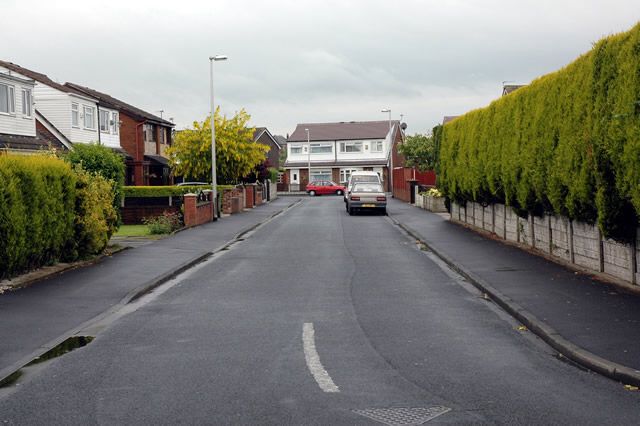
[[13, 78]]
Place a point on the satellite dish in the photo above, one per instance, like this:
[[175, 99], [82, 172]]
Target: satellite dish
[[403, 126]]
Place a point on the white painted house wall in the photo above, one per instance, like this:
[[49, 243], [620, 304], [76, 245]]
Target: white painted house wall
[[110, 137], [17, 123], [55, 106]]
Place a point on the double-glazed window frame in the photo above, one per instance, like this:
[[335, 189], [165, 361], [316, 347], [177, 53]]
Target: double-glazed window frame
[[350, 146], [10, 104], [104, 121], [321, 148], [88, 112], [27, 102], [377, 146]]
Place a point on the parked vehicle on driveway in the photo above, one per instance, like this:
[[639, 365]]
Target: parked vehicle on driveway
[[355, 177], [324, 187], [367, 196]]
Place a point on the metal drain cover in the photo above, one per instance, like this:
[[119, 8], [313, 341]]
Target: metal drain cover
[[403, 416]]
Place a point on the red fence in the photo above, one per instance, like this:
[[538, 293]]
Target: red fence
[[405, 180]]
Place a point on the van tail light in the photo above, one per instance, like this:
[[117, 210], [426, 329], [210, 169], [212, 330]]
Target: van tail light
[[354, 198], [381, 198]]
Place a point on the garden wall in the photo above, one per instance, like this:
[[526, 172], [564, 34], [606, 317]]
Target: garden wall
[[573, 242]]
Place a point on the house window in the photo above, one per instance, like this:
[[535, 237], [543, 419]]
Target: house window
[[296, 150], [163, 135], [75, 115], [321, 148], [89, 120], [350, 146], [26, 102], [280, 177], [104, 121], [115, 124], [318, 175], [376, 146], [345, 174], [7, 99], [148, 133]]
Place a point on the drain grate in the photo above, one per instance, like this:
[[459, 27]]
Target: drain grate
[[403, 416]]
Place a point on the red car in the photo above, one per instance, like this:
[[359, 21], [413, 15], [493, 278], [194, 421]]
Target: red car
[[324, 187]]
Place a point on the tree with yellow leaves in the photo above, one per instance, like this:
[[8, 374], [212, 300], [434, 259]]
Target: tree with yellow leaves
[[237, 155]]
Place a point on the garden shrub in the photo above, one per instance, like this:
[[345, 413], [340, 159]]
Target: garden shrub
[[101, 160], [568, 143], [164, 224], [95, 217]]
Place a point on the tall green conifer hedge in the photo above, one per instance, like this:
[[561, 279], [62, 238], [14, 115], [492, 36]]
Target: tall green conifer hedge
[[568, 144]]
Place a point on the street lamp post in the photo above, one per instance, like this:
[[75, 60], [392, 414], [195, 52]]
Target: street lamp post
[[391, 150], [214, 182], [308, 157]]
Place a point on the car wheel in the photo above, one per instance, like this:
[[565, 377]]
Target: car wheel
[[350, 210], [383, 211], [338, 192], [312, 193]]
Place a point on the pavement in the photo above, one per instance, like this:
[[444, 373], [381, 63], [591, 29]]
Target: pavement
[[39, 317], [588, 321]]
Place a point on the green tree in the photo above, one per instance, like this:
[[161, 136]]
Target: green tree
[[237, 155], [419, 152]]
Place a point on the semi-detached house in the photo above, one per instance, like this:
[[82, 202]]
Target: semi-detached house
[[22, 128], [72, 114], [332, 151]]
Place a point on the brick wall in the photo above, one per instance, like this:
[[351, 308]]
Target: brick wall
[[196, 213], [133, 215]]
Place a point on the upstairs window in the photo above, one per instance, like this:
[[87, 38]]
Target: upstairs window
[[104, 121], [75, 115], [115, 123], [27, 102], [296, 150], [321, 148], [376, 146], [7, 99], [89, 117], [350, 146], [148, 133]]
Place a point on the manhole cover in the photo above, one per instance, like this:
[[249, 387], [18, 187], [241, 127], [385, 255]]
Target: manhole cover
[[403, 416]]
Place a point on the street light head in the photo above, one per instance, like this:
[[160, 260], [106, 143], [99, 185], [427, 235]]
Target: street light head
[[386, 110], [218, 58]]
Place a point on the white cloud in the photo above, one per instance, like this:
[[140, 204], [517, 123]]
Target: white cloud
[[301, 61]]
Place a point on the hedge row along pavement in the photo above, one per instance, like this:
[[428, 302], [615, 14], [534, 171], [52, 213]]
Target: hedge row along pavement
[[168, 191], [567, 144], [50, 212]]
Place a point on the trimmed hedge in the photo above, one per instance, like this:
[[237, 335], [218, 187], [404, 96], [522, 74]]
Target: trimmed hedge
[[37, 197], [568, 144], [50, 212], [167, 191]]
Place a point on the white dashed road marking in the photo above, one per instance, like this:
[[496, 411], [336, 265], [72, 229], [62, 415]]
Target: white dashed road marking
[[313, 360]]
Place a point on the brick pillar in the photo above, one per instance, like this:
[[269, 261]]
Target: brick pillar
[[248, 192], [189, 210]]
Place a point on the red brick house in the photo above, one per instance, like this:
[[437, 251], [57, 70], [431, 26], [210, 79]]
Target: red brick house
[[143, 136]]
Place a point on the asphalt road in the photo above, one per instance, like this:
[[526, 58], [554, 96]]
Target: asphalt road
[[316, 317]]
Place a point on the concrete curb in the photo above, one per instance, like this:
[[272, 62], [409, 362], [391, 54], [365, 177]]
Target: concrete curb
[[132, 295], [547, 333]]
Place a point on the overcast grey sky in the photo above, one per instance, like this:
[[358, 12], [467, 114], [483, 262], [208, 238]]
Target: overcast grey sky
[[306, 61]]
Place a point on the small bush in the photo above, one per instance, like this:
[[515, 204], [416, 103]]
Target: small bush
[[96, 218], [103, 161], [164, 224]]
